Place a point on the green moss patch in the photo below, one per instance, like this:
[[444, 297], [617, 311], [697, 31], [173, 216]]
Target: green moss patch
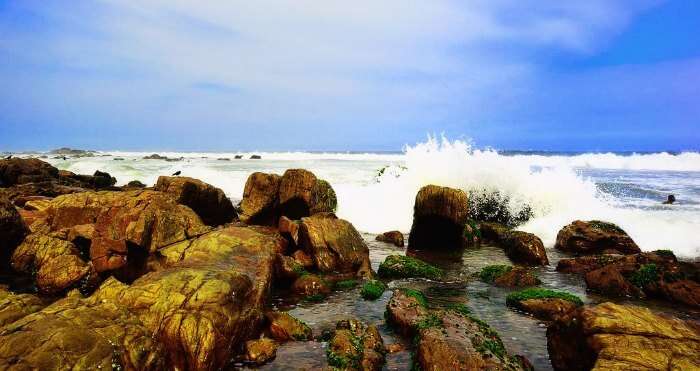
[[460, 308], [372, 289], [492, 272], [345, 284], [422, 300], [430, 321], [400, 266], [538, 293], [645, 275], [315, 298]]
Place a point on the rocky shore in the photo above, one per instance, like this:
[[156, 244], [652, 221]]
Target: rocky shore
[[175, 276]]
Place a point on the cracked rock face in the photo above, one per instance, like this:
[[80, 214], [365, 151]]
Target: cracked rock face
[[206, 299]]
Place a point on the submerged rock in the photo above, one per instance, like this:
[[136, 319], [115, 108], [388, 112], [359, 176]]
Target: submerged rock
[[393, 237], [525, 248], [356, 346], [508, 276], [439, 217], [401, 266], [622, 337], [209, 202], [311, 286], [595, 237], [543, 303]]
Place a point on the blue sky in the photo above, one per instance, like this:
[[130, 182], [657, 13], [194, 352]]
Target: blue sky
[[337, 75]]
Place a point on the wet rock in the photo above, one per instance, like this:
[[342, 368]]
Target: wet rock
[[493, 232], [356, 346], [311, 285], [525, 248], [302, 194], [622, 337], [261, 351], [373, 289], [334, 245], [284, 327], [303, 258], [653, 274], [393, 237], [12, 231], [439, 217], [400, 266], [544, 304], [25, 170], [595, 237], [209, 202], [448, 340], [99, 180], [15, 306], [287, 268], [508, 276], [260, 199]]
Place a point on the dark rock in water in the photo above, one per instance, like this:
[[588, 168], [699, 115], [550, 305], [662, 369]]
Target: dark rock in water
[[238, 157], [356, 346], [20, 171], [311, 285], [209, 202], [297, 194], [654, 274], [223, 159], [135, 184], [118, 159], [595, 237], [393, 237], [622, 337], [284, 327], [508, 276], [72, 152], [492, 206], [334, 245], [439, 218], [155, 156], [260, 351], [525, 248], [99, 180], [255, 157], [260, 199], [493, 232], [449, 339], [12, 231], [544, 304]]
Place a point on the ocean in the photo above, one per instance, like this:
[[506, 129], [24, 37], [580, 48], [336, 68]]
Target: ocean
[[623, 188]]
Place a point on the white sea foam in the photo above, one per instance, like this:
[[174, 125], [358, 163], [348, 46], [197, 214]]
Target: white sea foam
[[552, 185]]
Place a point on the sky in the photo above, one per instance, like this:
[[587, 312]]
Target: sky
[[576, 75]]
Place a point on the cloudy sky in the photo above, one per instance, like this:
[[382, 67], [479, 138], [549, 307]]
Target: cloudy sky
[[349, 75]]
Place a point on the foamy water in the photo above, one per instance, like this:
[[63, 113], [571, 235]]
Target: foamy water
[[623, 189]]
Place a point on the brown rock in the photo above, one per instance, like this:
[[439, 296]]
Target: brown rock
[[594, 237], [493, 232], [260, 199], [303, 258], [610, 281], [517, 277], [287, 268], [99, 180], [583, 264], [439, 217], [284, 327], [394, 348], [12, 231], [404, 312], [15, 306], [335, 245], [296, 193], [260, 351], [20, 170], [393, 237], [546, 309], [356, 346], [290, 229], [525, 248], [311, 285], [209, 202], [19, 194], [622, 337]]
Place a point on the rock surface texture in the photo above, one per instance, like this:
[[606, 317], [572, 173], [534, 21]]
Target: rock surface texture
[[595, 237], [209, 202], [440, 215]]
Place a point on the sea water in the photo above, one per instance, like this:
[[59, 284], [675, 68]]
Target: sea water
[[623, 188]]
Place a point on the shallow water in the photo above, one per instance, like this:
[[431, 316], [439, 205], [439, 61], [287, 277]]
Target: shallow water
[[521, 333]]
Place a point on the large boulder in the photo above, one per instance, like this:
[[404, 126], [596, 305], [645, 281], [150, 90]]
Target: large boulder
[[439, 217], [296, 194], [209, 202], [20, 170], [12, 231], [595, 237], [21, 193], [525, 248], [99, 180], [356, 346], [622, 337], [334, 245], [653, 274], [449, 339]]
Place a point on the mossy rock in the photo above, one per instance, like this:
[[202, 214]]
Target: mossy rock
[[645, 275], [373, 289], [400, 266], [416, 294], [538, 293], [490, 273]]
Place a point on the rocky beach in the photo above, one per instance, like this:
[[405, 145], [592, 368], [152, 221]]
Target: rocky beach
[[176, 275]]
